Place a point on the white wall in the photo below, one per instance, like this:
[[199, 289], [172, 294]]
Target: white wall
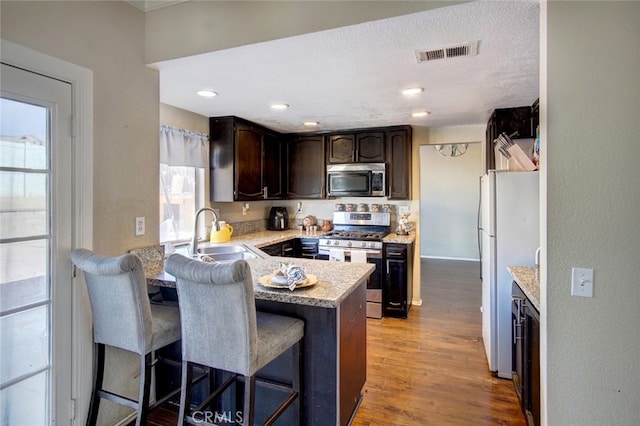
[[449, 193], [107, 38], [449, 203], [590, 124]]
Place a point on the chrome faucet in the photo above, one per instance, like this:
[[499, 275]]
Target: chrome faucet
[[194, 241]]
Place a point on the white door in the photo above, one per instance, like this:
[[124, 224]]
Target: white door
[[35, 240]]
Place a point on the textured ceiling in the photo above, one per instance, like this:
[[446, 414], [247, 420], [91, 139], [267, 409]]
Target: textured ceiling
[[352, 77]]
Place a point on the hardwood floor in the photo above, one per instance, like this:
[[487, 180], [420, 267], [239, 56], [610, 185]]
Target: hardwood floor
[[430, 369]]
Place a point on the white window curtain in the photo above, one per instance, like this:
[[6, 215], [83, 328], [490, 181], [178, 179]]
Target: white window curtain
[[180, 147], [184, 159]]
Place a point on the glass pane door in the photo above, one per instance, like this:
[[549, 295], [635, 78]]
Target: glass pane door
[[31, 263]]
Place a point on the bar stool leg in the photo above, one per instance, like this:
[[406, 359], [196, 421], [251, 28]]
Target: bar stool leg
[[145, 389], [249, 400], [185, 392], [296, 383], [98, 376]]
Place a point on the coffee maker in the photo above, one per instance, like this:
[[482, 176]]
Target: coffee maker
[[278, 219]]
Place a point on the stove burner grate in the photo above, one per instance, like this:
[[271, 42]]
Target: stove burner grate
[[356, 235]]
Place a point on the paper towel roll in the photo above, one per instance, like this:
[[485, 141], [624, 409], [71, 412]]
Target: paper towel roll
[[336, 255], [358, 256]]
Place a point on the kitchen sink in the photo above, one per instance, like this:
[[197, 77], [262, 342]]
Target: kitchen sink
[[226, 252]]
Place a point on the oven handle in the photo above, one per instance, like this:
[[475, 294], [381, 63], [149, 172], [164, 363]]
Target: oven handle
[[371, 254]]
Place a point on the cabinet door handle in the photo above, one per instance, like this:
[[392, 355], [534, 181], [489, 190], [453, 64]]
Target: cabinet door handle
[[516, 327], [265, 192], [395, 304], [394, 253]]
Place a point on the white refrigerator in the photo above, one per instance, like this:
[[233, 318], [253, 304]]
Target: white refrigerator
[[508, 234]]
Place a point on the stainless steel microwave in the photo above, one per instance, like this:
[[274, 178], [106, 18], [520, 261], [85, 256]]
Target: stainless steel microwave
[[356, 180]]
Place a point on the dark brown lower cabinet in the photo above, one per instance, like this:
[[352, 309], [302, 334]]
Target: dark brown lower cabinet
[[283, 249], [307, 248], [526, 354], [397, 289]]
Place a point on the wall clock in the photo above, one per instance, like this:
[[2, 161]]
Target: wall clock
[[452, 150]]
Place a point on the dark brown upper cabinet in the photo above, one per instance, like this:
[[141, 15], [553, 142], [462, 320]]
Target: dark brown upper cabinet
[[246, 161], [399, 146], [518, 123], [305, 166], [361, 147]]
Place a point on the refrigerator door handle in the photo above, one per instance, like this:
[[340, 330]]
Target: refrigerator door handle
[[479, 224]]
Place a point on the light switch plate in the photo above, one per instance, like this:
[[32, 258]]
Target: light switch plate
[[140, 226], [582, 282]]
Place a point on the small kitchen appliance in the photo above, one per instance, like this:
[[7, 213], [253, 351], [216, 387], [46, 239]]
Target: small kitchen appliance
[[278, 219], [357, 236]]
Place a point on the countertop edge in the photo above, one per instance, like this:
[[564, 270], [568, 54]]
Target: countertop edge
[[528, 280]]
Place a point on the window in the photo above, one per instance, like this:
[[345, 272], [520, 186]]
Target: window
[[181, 195], [184, 158]]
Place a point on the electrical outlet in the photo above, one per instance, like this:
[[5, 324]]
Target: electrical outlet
[[140, 226], [402, 210], [582, 282]]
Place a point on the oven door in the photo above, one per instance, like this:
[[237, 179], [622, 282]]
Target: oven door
[[356, 183], [374, 282]]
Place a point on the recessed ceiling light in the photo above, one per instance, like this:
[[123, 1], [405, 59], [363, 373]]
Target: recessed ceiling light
[[279, 105], [207, 93], [311, 123], [420, 114], [412, 91]]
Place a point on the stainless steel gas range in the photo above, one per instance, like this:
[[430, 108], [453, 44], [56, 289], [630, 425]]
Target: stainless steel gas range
[[357, 237]]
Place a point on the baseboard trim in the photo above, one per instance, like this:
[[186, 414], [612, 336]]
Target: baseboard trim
[[465, 259], [131, 417]]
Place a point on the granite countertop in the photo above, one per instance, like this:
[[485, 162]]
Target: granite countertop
[[400, 239], [265, 238], [528, 279], [336, 281]]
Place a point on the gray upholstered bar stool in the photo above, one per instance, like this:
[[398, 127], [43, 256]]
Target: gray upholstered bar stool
[[124, 318], [221, 329]]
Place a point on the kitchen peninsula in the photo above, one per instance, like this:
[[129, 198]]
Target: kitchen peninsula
[[334, 345]]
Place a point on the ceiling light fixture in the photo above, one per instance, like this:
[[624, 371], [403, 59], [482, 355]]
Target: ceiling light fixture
[[311, 123], [279, 105], [206, 93], [420, 114], [412, 91]]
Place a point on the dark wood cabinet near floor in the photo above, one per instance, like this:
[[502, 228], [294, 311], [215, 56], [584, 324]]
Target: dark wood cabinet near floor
[[307, 248], [283, 249], [526, 354], [397, 289]]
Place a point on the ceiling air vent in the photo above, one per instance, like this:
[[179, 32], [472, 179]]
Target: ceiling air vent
[[466, 49]]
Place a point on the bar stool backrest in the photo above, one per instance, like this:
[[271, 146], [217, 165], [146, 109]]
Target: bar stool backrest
[[118, 296], [217, 313]]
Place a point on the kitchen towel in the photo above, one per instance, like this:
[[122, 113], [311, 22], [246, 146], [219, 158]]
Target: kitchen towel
[[336, 255], [358, 256]]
